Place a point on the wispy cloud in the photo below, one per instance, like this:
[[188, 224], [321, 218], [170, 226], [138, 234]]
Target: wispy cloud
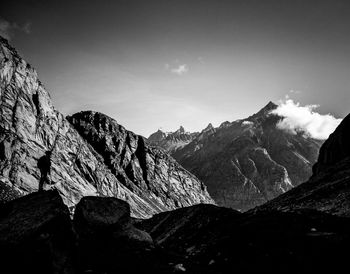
[[181, 69], [8, 29], [200, 60], [295, 91], [305, 119], [177, 68]]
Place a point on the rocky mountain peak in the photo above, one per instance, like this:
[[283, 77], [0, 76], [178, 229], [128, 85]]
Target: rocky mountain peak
[[157, 136], [265, 110], [181, 130], [209, 127], [172, 141]]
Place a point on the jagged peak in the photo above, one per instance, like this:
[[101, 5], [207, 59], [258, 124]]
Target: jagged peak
[[181, 130], [159, 131], [265, 110], [270, 106], [209, 126]]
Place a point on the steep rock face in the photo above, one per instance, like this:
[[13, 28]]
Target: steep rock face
[[147, 171], [30, 127], [328, 190], [336, 148], [171, 141], [248, 162]]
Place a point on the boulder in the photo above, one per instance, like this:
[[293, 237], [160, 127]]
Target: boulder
[[36, 235], [107, 239]]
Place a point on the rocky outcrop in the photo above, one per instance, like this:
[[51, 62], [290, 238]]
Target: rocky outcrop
[[248, 162], [31, 128], [145, 170], [328, 190], [171, 141], [106, 237]]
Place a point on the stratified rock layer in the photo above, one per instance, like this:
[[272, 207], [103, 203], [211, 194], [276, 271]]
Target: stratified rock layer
[[30, 127]]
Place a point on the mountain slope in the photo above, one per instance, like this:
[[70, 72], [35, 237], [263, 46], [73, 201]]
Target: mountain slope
[[147, 171], [328, 190], [248, 162], [30, 127]]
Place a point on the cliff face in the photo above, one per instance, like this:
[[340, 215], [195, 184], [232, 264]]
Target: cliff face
[[30, 127], [328, 189], [248, 162], [336, 148]]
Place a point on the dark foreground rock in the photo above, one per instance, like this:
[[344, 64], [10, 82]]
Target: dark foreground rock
[[214, 240], [36, 235], [107, 240]]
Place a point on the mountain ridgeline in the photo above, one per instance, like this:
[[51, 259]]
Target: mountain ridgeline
[[172, 141], [91, 155], [250, 161]]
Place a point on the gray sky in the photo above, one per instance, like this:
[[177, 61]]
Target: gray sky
[[152, 64]]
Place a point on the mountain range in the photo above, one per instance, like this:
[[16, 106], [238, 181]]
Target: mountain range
[[305, 230], [246, 162], [172, 141]]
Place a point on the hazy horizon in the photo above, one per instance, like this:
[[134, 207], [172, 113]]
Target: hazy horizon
[[162, 64]]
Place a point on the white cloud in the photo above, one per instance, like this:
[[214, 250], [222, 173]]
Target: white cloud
[[7, 29], [181, 69], [304, 118]]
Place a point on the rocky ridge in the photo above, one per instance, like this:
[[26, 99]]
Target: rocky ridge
[[30, 127], [145, 170], [171, 141]]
